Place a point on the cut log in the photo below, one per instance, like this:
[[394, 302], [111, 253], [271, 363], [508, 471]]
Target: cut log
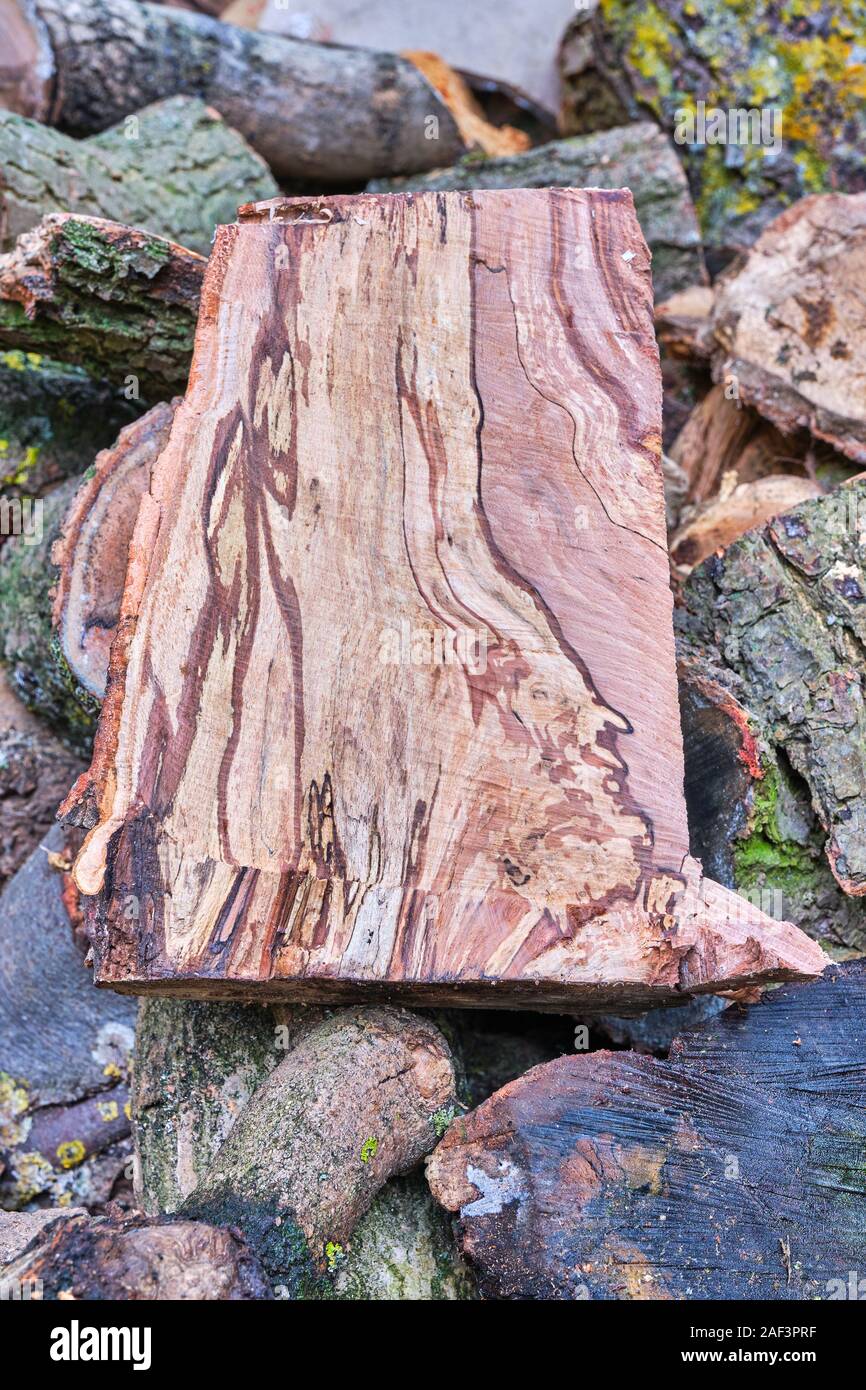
[[788, 324], [120, 302], [18, 1228], [733, 1170], [783, 608], [510, 828], [175, 169], [315, 112], [92, 550], [475, 131], [136, 1258], [638, 157], [64, 1049], [360, 1098], [712, 527]]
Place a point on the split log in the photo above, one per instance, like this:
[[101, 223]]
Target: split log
[[133, 1258], [683, 322], [783, 606], [19, 1228], [120, 302], [358, 1100], [64, 1049], [733, 1170], [712, 527], [175, 169], [751, 819], [92, 550], [28, 646], [475, 131], [313, 111], [53, 420], [638, 157], [36, 773], [510, 829], [788, 325]]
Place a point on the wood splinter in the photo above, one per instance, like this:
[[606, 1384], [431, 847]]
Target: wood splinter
[[392, 706]]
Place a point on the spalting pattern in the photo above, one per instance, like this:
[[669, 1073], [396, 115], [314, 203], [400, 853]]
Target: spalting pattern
[[392, 705]]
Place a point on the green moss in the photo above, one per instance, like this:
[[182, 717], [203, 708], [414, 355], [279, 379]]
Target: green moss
[[369, 1149]]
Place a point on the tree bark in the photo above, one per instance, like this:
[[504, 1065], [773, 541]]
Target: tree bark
[[313, 111], [732, 1170], [36, 773], [92, 550], [120, 302], [175, 169], [448, 853]]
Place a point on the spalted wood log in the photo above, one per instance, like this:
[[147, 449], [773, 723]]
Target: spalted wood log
[[133, 1258], [313, 111], [510, 827], [53, 420], [788, 324], [733, 1170], [784, 606], [175, 168], [714, 525], [358, 1100], [638, 157], [64, 1048], [92, 550], [29, 648], [118, 301], [36, 772]]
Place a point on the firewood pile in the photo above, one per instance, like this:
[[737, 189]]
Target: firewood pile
[[432, 632]]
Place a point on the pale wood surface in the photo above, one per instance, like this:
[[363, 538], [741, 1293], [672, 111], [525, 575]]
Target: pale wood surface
[[429, 414]]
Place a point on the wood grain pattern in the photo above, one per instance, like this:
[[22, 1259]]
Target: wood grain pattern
[[392, 708]]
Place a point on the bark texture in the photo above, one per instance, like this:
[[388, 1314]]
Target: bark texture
[[36, 772], [313, 111], [120, 302], [175, 169], [92, 550], [509, 829], [783, 608], [135, 1258], [638, 157], [356, 1102], [733, 1170]]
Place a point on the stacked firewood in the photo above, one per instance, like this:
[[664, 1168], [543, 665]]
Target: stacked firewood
[[453, 954]]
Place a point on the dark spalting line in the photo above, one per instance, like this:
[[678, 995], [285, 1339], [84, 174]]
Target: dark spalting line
[[607, 379], [607, 739], [231, 920]]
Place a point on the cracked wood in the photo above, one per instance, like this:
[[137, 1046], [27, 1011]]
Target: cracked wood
[[392, 707]]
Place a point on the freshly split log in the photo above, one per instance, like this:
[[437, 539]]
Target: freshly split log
[[175, 169], [638, 157], [784, 608], [509, 829], [714, 525], [118, 301], [733, 1170], [359, 1099], [64, 1049], [133, 1258], [92, 550], [788, 325], [313, 111]]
